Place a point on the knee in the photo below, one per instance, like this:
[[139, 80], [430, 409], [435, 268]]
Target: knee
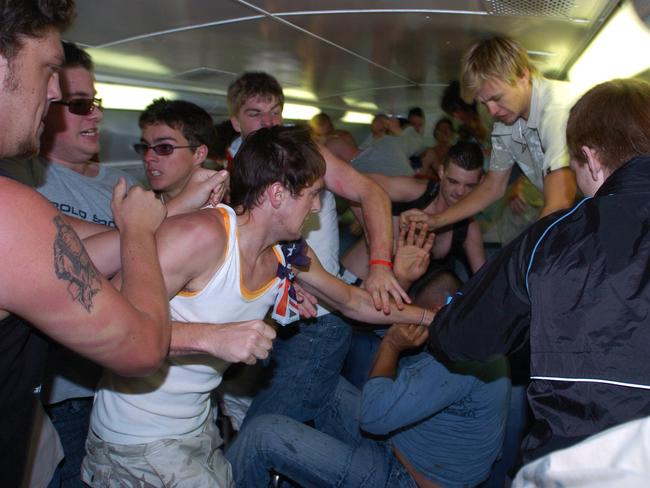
[[264, 430]]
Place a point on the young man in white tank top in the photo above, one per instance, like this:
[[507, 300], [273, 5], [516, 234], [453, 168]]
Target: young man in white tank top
[[220, 266]]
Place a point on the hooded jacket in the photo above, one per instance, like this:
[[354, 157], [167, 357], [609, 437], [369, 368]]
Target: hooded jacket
[[574, 292]]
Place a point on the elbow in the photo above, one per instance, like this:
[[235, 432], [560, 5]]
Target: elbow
[[145, 352], [370, 420]]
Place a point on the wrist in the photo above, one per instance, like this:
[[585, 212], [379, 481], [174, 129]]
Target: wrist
[[427, 317], [381, 262], [389, 347]]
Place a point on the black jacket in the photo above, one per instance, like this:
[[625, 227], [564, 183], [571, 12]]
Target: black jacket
[[574, 290]]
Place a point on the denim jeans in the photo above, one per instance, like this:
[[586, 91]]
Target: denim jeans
[[361, 355], [71, 419], [306, 361], [334, 456]]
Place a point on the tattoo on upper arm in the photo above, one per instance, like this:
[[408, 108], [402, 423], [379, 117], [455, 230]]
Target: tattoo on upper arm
[[72, 264]]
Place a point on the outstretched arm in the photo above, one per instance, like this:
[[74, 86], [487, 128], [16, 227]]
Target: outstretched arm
[[400, 188], [354, 302], [489, 190], [345, 181]]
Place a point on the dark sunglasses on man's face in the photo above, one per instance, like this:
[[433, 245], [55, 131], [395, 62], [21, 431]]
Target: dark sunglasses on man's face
[[82, 106], [159, 149]]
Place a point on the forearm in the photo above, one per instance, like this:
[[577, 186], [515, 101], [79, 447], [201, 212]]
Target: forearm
[[104, 250], [385, 362], [187, 338], [559, 191], [233, 342], [84, 229], [361, 307], [487, 192], [399, 188], [143, 284], [377, 217]]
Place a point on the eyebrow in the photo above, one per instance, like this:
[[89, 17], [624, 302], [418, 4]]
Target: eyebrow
[[82, 94], [159, 139], [276, 106]]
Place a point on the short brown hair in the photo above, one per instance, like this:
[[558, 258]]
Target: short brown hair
[[30, 18], [253, 84], [496, 58], [192, 121], [274, 154], [612, 118]]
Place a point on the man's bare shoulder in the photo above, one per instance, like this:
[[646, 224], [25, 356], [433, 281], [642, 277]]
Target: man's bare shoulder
[[200, 229], [22, 206], [192, 247]]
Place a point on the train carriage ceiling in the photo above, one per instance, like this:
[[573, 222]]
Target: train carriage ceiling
[[339, 55]]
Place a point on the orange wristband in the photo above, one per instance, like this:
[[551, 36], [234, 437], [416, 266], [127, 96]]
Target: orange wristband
[[381, 262]]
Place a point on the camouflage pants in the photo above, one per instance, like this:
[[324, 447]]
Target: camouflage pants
[[187, 462]]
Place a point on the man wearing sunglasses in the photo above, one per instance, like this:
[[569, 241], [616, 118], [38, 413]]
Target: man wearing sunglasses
[[81, 188], [176, 136]]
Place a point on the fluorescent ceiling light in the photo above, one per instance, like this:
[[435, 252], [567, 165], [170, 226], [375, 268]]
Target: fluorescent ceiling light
[[124, 97], [299, 93], [354, 102], [357, 118], [295, 111], [127, 62], [617, 51]]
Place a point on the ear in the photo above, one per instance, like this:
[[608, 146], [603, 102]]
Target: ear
[[200, 155], [441, 171], [276, 193], [235, 124], [596, 168]]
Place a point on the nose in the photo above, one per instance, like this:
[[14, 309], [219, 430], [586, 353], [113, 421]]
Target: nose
[[461, 192], [315, 205], [149, 155], [267, 120], [492, 108], [53, 88], [96, 114]]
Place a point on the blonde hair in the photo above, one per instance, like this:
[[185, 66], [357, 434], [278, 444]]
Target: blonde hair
[[496, 58]]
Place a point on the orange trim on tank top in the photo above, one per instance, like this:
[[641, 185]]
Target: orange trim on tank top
[[226, 223], [252, 295]]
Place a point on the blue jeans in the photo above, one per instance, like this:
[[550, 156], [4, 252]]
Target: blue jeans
[[358, 362], [336, 455], [306, 361], [71, 419], [517, 426]]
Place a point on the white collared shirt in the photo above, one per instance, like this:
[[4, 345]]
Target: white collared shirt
[[537, 145]]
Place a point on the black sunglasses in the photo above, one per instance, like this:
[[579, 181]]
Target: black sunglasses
[[82, 106], [159, 149]]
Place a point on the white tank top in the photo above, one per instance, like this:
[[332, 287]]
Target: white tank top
[[175, 401]]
